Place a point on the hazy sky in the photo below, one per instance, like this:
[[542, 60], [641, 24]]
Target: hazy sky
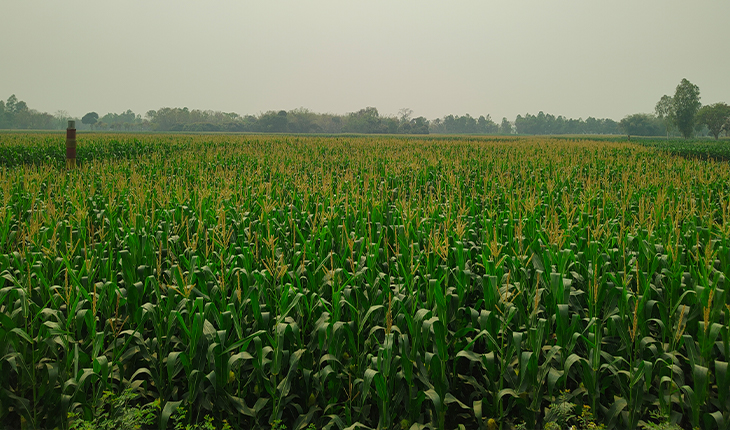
[[575, 58]]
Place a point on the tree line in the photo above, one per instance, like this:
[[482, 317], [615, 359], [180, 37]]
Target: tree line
[[367, 121], [550, 124], [301, 120], [15, 113], [680, 114]]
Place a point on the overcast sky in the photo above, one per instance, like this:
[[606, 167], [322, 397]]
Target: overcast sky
[[575, 58]]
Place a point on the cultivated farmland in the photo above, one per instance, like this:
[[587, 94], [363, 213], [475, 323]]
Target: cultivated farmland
[[363, 282]]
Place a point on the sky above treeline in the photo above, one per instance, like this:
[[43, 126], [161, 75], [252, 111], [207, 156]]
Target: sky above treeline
[[574, 58]]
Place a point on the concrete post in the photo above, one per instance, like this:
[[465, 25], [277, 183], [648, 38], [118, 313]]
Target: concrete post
[[71, 145]]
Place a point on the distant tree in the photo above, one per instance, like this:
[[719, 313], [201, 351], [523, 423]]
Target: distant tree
[[686, 103], [641, 124], [402, 123], [466, 124], [273, 122], [452, 124], [530, 124], [282, 121], [20, 106], [3, 115], [404, 114], [436, 126], [391, 125], [664, 110], [505, 127], [715, 117], [404, 126], [10, 104], [328, 123], [366, 120], [449, 124], [486, 125], [301, 120], [124, 120], [609, 126], [540, 124], [15, 113], [419, 125], [60, 119], [13, 105], [90, 118]]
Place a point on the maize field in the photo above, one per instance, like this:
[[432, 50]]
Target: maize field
[[363, 282]]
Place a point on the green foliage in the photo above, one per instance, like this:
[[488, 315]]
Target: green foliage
[[278, 425], [455, 124], [90, 118], [586, 420], [692, 148], [716, 117], [686, 103], [180, 418], [15, 114], [116, 412], [505, 127], [641, 124], [365, 120], [300, 120], [560, 415], [545, 124], [660, 423], [273, 122], [561, 411], [664, 110]]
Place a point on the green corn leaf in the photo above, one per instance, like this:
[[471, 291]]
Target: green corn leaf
[[285, 385], [139, 372], [243, 343], [367, 381], [101, 367], [722, 377], [84, 377], [701, 378], [381, 387], [369, 312], [477, 407], [507, 392], [357, 425], [619, 404], [169, 409], [22, 334], [435, 399], [718, 418], [176, 361], [553, 376], [572, 359], [449, 399]]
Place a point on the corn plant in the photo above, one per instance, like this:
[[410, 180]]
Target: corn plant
[[362, 282]]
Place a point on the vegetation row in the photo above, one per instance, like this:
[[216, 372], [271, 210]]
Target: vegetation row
[[681, 114]]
